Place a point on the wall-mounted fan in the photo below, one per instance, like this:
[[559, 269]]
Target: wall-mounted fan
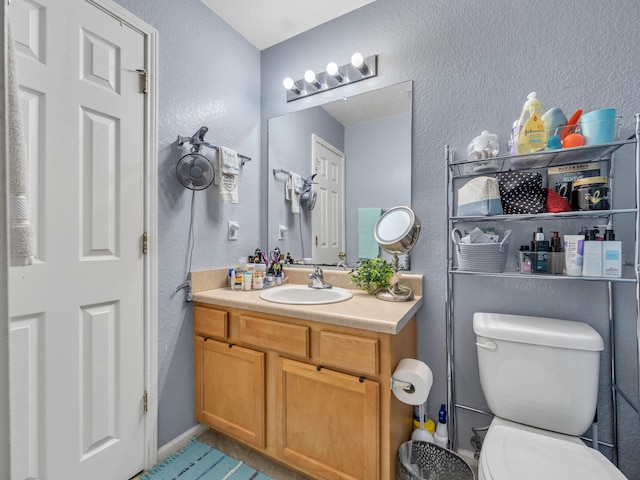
[[195, 171]]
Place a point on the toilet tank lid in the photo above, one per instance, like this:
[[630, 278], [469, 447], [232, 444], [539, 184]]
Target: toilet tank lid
[[549, 332]]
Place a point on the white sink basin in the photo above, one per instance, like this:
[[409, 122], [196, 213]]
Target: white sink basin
[[303, 295]]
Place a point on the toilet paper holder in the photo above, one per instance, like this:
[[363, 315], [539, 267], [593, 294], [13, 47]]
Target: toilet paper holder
[[406, 386]]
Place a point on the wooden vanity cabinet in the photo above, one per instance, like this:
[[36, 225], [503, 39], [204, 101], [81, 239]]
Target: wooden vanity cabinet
[[313, 396]]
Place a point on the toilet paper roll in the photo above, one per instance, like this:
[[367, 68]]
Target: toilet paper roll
[[416, 373]]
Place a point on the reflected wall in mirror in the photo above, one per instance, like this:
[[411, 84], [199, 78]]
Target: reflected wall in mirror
[[359, 149]]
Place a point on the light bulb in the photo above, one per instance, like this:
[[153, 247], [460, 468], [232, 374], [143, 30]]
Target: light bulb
[[334, 71], [288, 83], [332, 68], [310, 76], [357, 60]]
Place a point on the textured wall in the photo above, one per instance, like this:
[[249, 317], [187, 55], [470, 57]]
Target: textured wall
[[472, 64], [208, 75]]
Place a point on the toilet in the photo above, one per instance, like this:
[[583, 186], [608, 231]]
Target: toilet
[[539, 377]]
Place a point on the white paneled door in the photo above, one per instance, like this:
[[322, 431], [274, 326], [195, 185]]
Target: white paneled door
[[327, 217], [77, 314]]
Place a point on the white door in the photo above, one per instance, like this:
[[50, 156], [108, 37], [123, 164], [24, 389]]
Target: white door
[[327, 218], [76, 315]]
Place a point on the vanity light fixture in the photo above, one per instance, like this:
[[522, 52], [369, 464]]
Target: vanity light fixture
[[336, 75]]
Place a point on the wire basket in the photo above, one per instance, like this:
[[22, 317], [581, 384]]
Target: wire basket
[[418, 460], [481, 257]]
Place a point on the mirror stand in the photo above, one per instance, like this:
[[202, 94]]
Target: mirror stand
[[396, 292], [397, 231]]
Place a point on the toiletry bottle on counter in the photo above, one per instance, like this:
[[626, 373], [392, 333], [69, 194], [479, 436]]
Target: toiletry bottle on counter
[[532, 134], [441, 437]]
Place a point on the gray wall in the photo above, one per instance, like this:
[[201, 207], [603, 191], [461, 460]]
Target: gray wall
[[208, 75], [472, 65]]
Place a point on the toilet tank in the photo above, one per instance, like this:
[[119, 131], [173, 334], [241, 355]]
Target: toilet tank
[[539, 371]]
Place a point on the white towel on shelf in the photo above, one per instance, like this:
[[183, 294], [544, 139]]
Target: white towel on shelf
[[292, 191], [228, 169], [22, 241]]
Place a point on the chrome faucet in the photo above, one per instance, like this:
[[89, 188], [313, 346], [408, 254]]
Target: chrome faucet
[[317, 280]]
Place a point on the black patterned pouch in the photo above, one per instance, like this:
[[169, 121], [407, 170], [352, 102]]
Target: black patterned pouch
[[521, 192]]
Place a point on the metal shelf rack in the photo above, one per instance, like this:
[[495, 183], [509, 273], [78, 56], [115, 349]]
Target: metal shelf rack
[[540, 160]]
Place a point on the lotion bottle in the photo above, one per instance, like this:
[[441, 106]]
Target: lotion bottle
[[532, 134]]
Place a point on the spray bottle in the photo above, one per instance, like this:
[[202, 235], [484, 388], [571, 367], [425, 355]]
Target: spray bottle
[[532, 134], [441, 437]]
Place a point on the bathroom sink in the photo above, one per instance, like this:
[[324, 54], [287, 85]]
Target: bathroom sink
[[303, 295]]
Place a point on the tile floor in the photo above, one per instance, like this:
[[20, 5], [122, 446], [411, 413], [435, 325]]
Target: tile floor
[[248, 456]]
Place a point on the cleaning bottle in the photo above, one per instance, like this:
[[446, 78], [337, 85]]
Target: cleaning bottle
[[532, 134], [441, 437]]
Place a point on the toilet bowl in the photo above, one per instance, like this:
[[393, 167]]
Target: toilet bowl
[[511, 451], [539, 377]]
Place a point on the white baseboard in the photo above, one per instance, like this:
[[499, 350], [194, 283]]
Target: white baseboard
[[180, 441]]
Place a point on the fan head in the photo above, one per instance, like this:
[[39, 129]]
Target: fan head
[[195, 171]]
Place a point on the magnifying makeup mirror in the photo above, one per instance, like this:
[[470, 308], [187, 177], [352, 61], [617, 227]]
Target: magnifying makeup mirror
[[397, 231]]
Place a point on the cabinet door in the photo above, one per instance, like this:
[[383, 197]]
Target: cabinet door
[[230, 389], [328, 422]]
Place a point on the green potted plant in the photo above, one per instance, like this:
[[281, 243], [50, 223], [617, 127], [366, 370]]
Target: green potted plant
[[372, 275]]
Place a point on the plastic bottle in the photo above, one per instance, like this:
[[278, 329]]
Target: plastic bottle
[[532, 134], [441, 437]]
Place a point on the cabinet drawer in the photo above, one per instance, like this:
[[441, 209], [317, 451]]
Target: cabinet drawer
[[279, 336], [347, 351], [209, 322]]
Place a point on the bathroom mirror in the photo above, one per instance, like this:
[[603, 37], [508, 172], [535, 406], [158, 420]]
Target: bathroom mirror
[[360, 148]]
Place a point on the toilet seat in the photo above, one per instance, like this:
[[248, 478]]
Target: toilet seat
[[524, 453]]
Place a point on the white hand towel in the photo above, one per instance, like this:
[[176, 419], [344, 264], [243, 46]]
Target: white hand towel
[[229, 167], [293, 191], [22, 242]]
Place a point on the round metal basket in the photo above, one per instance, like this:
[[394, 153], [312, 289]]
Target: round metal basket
[[481, 257], [418, 460]]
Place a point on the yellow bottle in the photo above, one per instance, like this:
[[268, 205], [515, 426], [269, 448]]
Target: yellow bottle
[[532, 135]]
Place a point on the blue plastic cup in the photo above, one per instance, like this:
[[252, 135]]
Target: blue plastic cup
[[599, 126]]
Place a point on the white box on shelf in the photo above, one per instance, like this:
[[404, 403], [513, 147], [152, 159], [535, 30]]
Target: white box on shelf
[[592, 262], [612, 259]]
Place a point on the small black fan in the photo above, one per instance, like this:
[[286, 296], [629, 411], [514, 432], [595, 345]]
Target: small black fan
[[195, 171]]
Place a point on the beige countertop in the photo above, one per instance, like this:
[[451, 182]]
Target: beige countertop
[[362, 311]]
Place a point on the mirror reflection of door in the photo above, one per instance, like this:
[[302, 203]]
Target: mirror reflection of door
[[327, 218]]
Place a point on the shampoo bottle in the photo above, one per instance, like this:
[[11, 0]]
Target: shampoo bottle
[[532, 134], [441, 437]]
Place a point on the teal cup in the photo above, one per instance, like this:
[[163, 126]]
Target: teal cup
[[599, 126]]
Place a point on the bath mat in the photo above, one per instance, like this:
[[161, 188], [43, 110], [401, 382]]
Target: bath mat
[[198, 461]]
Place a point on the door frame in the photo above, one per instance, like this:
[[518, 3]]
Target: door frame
[[5, 467], [150, 300]]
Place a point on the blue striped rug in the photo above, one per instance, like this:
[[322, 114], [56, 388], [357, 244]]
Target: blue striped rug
[[198, 461]]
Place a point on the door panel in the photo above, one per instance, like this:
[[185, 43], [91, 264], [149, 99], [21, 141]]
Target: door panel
[[327, 218], [77, 331]]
